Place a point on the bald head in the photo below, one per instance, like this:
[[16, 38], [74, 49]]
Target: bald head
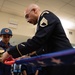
[[32, 7], [32, 13]]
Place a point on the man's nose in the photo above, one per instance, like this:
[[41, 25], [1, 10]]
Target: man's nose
[[29, 21]]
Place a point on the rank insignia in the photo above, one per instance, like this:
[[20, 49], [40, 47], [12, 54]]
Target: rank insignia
[[43, 22]]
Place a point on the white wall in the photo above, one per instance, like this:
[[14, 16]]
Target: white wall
[[22, 28], [21, 32], [71, 35]]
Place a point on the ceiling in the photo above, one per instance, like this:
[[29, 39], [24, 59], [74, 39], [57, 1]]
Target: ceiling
[[62, 8]]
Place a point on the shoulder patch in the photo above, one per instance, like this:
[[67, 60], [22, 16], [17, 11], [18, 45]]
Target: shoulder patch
[[43, 22]]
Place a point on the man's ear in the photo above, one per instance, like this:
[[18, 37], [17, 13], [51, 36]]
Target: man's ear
[[35, 10], [10, 36]]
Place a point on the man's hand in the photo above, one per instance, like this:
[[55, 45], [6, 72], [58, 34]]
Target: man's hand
[[4, 56], [0, 59]]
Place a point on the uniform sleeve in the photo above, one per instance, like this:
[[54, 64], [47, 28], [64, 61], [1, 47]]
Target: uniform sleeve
[[47, 24]]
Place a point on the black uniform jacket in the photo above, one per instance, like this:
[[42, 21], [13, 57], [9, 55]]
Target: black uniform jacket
[[50, 36]]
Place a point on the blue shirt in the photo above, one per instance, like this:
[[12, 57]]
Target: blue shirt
[[5, 69]]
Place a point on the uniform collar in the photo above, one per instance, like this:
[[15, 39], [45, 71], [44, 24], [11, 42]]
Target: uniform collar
[[38, 18]]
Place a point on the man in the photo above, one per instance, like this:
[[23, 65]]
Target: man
[[50, 36], [5, 34]]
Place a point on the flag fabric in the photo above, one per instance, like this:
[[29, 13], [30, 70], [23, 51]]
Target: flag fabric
[[65, 57]]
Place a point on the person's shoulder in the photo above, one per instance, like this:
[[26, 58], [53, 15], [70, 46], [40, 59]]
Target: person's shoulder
[[48, 14], [45, 12], [10, 45], [44, 18]]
